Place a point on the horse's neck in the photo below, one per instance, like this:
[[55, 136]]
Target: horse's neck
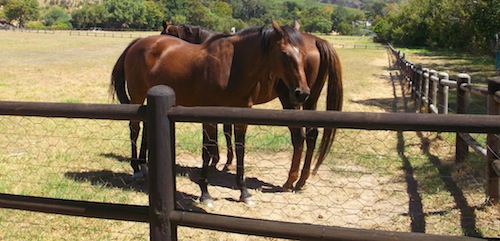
[[204, 35], [251, 49]]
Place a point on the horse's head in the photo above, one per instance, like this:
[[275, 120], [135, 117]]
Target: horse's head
[[188, 33], [289, 57], [170, 29]]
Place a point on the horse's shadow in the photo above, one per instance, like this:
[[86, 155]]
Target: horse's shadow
[[220, 178], [109, 179], [227, 179]]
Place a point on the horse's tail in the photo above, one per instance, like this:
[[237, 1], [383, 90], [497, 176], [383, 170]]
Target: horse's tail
[[117, 85], [334, 98]]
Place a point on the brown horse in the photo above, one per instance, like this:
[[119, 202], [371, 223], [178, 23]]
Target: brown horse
[[226, 70], [321, 62]]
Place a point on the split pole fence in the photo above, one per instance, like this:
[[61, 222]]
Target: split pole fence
[[430, 89], [164, 217]]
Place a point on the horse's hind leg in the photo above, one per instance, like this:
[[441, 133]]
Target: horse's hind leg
[[209, 140], [228, 133], [134, 135], [311, 136], [143, 151], [239, 141]]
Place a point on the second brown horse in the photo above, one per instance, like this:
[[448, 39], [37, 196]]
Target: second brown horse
[[227, 70], [322, 63]]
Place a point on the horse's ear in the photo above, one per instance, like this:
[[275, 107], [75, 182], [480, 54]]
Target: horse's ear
[[277, 28], [165, 24], [296, 24]]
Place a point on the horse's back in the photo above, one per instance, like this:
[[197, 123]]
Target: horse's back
[[199, 74], [141, 60]]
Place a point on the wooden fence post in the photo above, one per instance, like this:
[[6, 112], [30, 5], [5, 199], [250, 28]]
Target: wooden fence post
[[493, 146], [433, 84], [425, 88], [443, 94], [161, 163], [413, 79], [463, 99], [418, 86]]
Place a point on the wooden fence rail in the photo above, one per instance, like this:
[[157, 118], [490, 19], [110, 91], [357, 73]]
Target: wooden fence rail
[[430, 89], [164, 217]]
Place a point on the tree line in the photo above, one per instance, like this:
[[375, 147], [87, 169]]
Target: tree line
[[217, 15], [452, 24], [472, 25]]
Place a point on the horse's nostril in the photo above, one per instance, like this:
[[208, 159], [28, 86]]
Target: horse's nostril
[[301, 96]]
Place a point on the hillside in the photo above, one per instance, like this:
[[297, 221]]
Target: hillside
[[358, 4]]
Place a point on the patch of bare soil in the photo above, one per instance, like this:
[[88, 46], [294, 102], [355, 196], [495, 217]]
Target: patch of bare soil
[[330, 198]]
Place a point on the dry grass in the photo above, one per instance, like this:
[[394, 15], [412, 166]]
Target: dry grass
[[366, 182]]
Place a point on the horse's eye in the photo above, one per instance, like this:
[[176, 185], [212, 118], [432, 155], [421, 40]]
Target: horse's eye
[[286, 56]]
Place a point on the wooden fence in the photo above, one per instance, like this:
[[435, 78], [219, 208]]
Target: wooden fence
[[164, 217], [430, 90]]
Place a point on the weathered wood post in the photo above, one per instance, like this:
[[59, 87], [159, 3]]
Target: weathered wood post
[[161, 163], [463, 99], [418, 87], [433, 84], [413, 81], [493, 143], [443, 93], [425, 88]]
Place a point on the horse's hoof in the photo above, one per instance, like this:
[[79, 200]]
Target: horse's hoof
[[248, 201], [137, 175], [287, 188], [144, 170], [212, 168], [208, 203], [300, 187], [228, 167]]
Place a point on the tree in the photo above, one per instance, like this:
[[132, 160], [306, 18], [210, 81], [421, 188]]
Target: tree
[[340, 20], [486, 22], [89, 16], [56, 15], [316, 19], [197, 13], [124, 13], [248, 10], [21, 10], [375, 10], [456, 24], [291, 10], [153, 15]]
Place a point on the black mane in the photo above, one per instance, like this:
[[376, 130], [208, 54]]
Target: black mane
[[292, 35]]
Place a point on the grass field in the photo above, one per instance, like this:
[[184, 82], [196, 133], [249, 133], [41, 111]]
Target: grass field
[[371, 178]]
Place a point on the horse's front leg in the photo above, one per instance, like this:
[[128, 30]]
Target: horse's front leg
[[228, 133], [211, 145], [311, 137], [209, 139], [239, 141], [298, 137]]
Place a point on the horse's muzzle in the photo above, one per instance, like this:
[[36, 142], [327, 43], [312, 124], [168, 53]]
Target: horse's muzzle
[[301, 95]]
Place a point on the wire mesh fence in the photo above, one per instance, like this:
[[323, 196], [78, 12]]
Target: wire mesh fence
[[380, 180]]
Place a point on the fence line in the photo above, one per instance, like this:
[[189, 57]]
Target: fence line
[[162, 213], [109, 33], [359, 46], [430, 89]]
